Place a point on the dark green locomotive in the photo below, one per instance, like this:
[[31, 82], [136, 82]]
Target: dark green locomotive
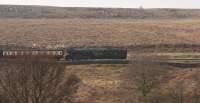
[[96, 53]]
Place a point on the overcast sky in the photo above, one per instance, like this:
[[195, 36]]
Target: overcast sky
[[110, 3]]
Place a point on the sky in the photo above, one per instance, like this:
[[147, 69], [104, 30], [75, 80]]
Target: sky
[[110, 3]]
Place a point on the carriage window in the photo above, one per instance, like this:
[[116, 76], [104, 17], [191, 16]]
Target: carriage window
[[57, 52], [7, 53], [41, 52], [4, 53], [15, 53], [48, 52], [54, 52], [10, 53], [44, 52], [34, 53], [27, 52], [22, 53]]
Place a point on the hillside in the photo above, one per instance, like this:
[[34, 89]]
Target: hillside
[[11, 11], [53, 33]]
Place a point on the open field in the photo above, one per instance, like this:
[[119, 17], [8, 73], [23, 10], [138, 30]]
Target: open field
[[53, 33]]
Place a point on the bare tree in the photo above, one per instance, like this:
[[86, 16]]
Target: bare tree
[[177, 93], [36, 82], [196, 90], [146, 78]]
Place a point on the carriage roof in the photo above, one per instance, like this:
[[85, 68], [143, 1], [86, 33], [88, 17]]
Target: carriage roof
[[32, 49]]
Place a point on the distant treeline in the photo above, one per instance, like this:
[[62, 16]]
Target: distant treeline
[[14, 11]]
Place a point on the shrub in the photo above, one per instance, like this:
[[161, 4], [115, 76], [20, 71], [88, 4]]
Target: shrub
[[33, 81]]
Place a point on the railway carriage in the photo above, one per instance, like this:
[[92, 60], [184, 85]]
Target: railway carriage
[[49, 54]]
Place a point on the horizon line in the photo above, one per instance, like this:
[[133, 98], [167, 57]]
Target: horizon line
[[106, 7]]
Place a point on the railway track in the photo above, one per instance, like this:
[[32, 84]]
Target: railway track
[[75, 62], [183, 63], [85, 62]]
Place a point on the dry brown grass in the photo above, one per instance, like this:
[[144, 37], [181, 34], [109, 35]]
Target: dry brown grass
[[105, 83], [92, 32], [101, 83]]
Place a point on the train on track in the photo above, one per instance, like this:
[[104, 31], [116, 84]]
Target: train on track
[[71, 54]]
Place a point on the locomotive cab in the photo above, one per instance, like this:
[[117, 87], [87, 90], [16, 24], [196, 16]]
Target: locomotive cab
[[1, 53]]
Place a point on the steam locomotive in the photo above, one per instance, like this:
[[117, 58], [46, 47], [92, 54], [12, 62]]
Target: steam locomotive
[[69, 54]]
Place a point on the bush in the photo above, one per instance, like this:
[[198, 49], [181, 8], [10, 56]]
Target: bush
[[146, 78], [36, 82]]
